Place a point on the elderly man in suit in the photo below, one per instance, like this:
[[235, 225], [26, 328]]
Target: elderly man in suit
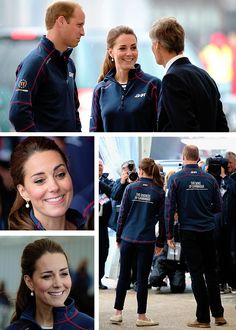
[[190, 100]]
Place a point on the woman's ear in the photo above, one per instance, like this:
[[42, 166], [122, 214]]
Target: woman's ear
[[22, 192], [28, 282], [110, 52]]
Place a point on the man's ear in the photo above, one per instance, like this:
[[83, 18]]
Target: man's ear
[[28, 282], [61, 20], [22, 192]]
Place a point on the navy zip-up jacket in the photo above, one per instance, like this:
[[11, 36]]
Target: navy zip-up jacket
[[45, 96], [196, 196], [134, 109], [141, 207], [65, 318]]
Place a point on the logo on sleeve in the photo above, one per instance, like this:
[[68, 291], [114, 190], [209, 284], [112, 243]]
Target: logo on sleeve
[[22, 85]]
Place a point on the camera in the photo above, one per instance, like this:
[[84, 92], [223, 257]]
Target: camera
[[215, 164], [133, 175]]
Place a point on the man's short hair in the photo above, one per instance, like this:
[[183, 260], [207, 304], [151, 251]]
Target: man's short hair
[[57, 9], [230, 154], [191, 152], [169, 33]]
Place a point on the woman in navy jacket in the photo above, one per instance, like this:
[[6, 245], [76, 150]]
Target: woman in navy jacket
[[141, 207], [126, 98], [40, 174], [42, 299]]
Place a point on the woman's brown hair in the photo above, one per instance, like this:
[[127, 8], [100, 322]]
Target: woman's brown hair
[[113, 34], [149, 166], [19, 216], [32, 252]]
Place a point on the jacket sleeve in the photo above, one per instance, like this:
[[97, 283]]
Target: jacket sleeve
[[155, 93], [77, 104], [96, 124], [170, 209], [230, 184], [28, 77], [221, 121], [162, 233], [118, 190], [124, 210], [217, 199]]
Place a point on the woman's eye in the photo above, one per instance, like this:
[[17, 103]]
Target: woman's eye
[[45, 277], [39, 181], [64, 274], [61, 175]]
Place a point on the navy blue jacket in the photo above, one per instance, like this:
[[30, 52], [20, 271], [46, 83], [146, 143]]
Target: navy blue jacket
[[72, 215], [131, 110], [65, 318], [197, 197], [141, 207], [190, 101], [45, 96]]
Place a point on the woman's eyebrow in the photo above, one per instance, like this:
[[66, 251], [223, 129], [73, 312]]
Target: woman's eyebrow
[[55, 168]]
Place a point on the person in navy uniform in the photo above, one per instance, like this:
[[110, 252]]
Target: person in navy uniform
[[141, 207], [43, 300], [126, 98], [189, 98], [45, 97], [197, 197]]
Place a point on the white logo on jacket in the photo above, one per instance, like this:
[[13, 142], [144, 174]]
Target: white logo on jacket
[[140, 95]]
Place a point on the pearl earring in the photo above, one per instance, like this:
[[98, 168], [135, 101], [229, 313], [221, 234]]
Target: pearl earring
[[32, 293], [112, 59], [27, 204]]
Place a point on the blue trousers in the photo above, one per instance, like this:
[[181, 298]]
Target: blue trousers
[[200, 254], [143, 253]]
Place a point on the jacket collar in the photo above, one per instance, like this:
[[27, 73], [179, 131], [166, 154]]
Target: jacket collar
[[132, 73], [49, 47], [179, 61], [60, 314], [72, 216]]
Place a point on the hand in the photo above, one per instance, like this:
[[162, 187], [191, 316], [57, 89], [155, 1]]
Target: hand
[[118, 244], [158, 251], [124, 177], [222, 172], [171, 243]]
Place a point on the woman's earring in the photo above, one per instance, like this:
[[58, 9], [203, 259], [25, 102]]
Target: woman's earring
[[112, 59], [32, 293], [27, 204]]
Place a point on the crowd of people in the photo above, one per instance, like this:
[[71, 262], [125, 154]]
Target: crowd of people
[[196, 209]]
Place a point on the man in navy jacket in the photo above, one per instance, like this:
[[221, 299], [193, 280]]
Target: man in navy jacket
[[45, 97], [196, 196], [189, 99]]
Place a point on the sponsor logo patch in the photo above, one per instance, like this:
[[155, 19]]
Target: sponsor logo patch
[[22, 84]]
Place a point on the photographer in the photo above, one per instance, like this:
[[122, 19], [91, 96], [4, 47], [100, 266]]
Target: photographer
[[228, 217], [128, 175], [105, 186]]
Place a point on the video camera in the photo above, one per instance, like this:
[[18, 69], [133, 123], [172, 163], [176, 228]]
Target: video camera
[[133, 175], [215, 164]]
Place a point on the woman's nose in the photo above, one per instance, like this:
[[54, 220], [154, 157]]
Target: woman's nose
[[53, 185]]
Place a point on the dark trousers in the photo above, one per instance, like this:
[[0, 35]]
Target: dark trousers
[[103, 248], [143, 254], [200, 253]]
